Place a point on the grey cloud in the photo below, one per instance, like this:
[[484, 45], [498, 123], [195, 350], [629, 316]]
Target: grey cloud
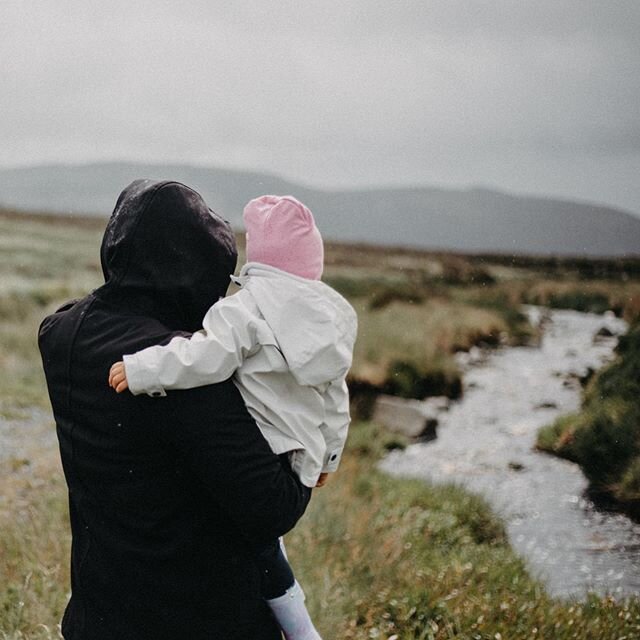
[[333, 92]]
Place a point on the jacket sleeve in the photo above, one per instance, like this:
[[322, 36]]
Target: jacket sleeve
[[221, 444], [210, 355], [336, 423]]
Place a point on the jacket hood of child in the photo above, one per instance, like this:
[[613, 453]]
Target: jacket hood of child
[[314, 325]]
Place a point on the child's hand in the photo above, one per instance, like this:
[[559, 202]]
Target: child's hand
[[322, 480], [118, 377]]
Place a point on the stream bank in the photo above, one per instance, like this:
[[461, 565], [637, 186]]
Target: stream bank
[[485, 442]]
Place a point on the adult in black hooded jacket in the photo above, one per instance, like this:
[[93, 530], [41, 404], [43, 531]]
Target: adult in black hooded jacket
[[167, 496]]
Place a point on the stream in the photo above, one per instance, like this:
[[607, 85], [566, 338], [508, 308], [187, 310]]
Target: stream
[[485, 443]]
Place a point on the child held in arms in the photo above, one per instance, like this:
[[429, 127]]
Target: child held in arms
[[287, 339]]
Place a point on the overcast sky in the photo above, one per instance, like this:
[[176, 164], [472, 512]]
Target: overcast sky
[[536, 96]]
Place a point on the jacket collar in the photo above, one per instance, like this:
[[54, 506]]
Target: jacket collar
[[261, 269]]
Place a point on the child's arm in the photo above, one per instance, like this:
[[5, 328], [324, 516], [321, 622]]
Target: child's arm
[[336, 423], [211, 355]]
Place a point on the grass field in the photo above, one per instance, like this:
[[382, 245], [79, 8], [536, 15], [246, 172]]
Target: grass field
[[379, 557]]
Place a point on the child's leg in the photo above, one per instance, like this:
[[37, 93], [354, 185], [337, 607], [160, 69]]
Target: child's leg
[[284, 595], [277, 575]]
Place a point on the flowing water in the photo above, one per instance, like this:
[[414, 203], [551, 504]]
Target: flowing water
[[485, 442]]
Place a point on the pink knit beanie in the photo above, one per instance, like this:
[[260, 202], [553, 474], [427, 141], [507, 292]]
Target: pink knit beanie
[[281, 232]]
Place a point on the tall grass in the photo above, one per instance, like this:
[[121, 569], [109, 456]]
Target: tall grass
[[419, 340], [41, 265], [34, 548]]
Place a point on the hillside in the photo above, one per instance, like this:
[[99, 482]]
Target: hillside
[[471, 220]]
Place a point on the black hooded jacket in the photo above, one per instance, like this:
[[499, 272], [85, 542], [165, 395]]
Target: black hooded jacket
[[167, 496]]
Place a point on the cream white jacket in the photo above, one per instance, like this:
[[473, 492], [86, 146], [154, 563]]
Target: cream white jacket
[[288, 342]]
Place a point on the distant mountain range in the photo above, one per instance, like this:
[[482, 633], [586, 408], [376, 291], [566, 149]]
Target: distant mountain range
[[472, 220]]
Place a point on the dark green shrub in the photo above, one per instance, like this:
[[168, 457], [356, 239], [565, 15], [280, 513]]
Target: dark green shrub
[[622, 378], [579, 300], [388, 294], [604, 438], [404, 379], [352, 287], [628, 489], [605, 444]]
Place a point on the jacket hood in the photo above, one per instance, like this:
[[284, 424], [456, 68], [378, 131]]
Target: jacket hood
[[165, 253], [314, 325]]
